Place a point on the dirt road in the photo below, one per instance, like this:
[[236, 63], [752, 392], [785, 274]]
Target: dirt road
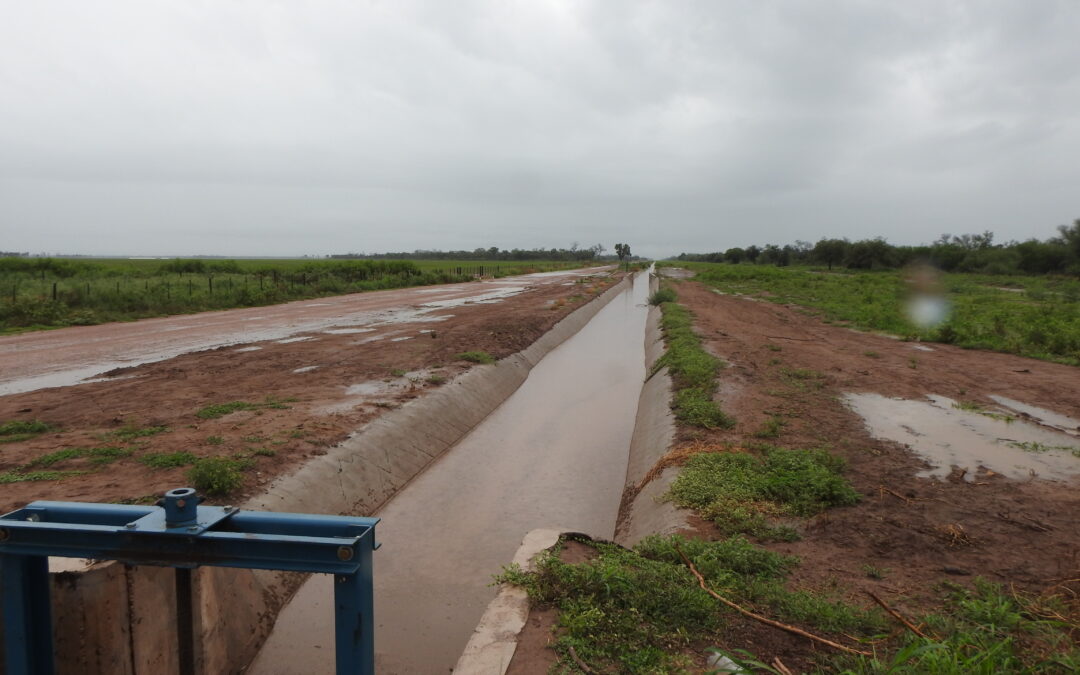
[[309, 373], [66, 356]]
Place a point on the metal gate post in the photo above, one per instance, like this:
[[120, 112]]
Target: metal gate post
[[24, 586]]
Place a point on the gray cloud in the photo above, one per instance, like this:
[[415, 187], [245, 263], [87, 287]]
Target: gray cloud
[[267, 128]]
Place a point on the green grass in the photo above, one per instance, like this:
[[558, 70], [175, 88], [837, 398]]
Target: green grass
[[771, 428], [218, 410], [981, 631], [19, 476], [740, 491], [90, 291], [1041, 322], [170, 460], [130, 432], [666, 294], [217, 476], [97, 456], [475, 357], [642, 611], [15, 431], [1033, 446], [693, 371]]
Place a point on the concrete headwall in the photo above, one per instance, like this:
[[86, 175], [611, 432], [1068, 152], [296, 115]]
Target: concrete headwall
[[112, 618]]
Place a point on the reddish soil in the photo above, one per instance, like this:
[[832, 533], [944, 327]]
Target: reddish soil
[[918, 532], [313, 408]]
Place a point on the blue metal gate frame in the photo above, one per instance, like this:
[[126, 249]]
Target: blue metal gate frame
[[183, 535]]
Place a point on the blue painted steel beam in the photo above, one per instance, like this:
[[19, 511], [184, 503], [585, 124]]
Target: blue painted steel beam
[[181, 535]]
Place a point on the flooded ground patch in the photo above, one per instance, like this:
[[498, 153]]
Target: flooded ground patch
[[949, 434]]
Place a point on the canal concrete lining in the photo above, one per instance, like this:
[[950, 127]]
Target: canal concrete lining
[[553, 453], [491, 647], [235, 609]]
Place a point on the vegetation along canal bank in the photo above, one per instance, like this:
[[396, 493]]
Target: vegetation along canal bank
[[838, 501]]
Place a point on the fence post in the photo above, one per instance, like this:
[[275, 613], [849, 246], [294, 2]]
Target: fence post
[[54, 291]]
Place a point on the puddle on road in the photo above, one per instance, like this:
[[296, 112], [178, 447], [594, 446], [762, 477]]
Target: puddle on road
[[443, 289], [305, 369], [922, 348], [347, 331], [401, 339], [248, 349], [946, 436], [294, 339]]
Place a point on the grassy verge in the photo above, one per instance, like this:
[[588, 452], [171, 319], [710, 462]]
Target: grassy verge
[[475, 357], [47, 293], [1038, 317], [642, 611], [740, 491], [217, 410], [983, 630], [693, 370], [17, 430]]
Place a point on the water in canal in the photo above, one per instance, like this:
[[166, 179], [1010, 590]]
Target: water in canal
[[553, 455]]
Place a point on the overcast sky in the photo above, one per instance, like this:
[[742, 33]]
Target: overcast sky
[[289, 128]]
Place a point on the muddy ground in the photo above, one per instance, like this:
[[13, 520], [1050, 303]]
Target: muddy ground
[[311, 392], [917, 532]]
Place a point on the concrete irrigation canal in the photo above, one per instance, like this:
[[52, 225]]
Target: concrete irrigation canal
[[554, 454]]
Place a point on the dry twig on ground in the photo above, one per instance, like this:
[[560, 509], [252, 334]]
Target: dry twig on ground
[[896, 615], [765, 620]]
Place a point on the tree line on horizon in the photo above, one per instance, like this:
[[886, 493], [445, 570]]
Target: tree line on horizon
[[964, 253], [493, 253]]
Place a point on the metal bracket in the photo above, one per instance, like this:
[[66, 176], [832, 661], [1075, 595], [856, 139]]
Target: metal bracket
[[181, 534]]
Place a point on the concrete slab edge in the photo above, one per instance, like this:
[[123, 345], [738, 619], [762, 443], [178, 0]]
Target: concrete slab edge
[[494, 641]]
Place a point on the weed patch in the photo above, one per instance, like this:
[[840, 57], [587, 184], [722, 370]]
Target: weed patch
[[475, 357], [738, 490], [213, 412], [693, 371], [97, 456], [642, 611], [666, 294], [217, 475], [17, 430], [982, 630], [130, 432], [771, 428], [19, 477], [170, 460]]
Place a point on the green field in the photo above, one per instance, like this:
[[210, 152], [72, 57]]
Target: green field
[[40, 293], [1034, 316]]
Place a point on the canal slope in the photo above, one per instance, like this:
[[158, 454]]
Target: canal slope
[[553, 455]]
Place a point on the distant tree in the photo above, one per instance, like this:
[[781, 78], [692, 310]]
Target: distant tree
[[830, 251], [752, 253], [734, 255], [623, 251], [770, 255], [870, 254], [1070, 237]]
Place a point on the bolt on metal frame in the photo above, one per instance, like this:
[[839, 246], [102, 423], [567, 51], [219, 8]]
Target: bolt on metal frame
[[183, 535]]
